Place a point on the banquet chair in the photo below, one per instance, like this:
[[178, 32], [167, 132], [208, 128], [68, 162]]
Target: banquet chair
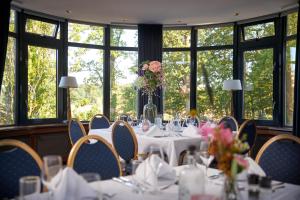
[[280, 159], [99, 121], [76, 130], [247, 133], [17, 159], [96, 156], [125, 142], [124, 117], [229, 122], [197, 121]]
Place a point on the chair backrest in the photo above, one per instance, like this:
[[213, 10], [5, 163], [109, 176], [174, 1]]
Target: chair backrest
[[279, 157], [99, 121], [96, 157], [17, 159], [229, 122], [76, 130], [197, 121], [247, 133], [124, 140], [123, 117]]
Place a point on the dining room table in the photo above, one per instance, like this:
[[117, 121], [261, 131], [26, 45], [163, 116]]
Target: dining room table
[[172, 143]]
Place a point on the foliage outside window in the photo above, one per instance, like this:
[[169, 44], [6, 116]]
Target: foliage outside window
[[258, 84], [176, 38], [218, 64], [215, 36], [40, 27], [12, 20], [259, 31], [123, 96], [292, 20], [7, 96], [121, 37], [83, 33]]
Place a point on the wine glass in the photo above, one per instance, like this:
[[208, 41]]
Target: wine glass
[[204, 155], [92, 177], [129, 120], [29, 185], [51, 172], [190, 121]]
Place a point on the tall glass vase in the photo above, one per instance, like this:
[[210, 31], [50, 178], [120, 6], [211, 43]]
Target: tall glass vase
[[230, 188], [150, 109]]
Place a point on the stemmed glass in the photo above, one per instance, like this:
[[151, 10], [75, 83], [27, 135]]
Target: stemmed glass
[[91, 177], [129, 121], [190, 121], [29, 185], [204, 155], [51, 172]]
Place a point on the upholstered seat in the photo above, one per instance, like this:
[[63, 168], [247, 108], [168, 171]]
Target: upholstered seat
[[197, 121], [279, 157], [229, 122], [247, 133], [76, 130], [97, 156], [99, 121], [17, 159]]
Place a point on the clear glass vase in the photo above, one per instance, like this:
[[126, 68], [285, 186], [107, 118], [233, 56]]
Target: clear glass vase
[[150, 110], [230, 188]]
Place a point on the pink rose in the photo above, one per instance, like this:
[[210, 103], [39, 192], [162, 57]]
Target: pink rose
[[145, 67], [206, 129], [241, 161], [155, 66], [226, 136]]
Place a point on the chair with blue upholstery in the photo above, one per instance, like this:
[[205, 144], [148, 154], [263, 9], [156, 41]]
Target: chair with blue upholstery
[[96, 156], [76, 130], [247, 133], [279, 157], [125, 142], [99, 121], [17, 159], [124, 117], [229, 122]]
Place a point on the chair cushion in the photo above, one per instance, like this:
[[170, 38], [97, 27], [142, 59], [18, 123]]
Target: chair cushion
[[15, 164], [281, 161], [75, 131], [97, 158], [229, 123]]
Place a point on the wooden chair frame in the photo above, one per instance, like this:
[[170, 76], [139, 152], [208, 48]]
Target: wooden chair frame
[[80, 125]]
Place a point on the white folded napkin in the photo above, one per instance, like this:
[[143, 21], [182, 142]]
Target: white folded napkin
[[154, 131], [72, 186], [154, 167], [190, 131], [254, 168]]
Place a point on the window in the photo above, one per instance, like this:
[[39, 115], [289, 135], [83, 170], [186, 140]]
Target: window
[[258, 84], [7, 96], [41, 27], [176, 64], [292, 20], [42, 65], [176, 95], [215, 36], [218, 65], [259, 31], [123, 67], [12, 21], [83, 33]]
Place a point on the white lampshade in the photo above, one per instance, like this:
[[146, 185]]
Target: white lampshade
[[232, 85], [68, 82]]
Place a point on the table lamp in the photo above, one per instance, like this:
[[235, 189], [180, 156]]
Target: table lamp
[[68, 82], [232, 85]]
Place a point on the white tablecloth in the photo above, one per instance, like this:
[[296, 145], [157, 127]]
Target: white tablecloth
[[172, 146]]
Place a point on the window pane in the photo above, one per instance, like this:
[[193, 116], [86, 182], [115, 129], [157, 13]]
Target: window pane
[[218, 64], [289, 81], [259, 31], [121, 37], [292, 20], [176, 96], [83, 33], [12, 21], [87, 66], [258, 84], [176, 38], [123, 97], [215, 36], [40, 27], [7, 96], [42, 64]]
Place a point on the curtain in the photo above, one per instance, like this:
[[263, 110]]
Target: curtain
[[296, 120], [4, 25], [150, 48]]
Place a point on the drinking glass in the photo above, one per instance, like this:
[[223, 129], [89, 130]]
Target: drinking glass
[[140, 122], [51, 172], [91, 177], [29, 185], [158, 121], [129, 120], [135, 181], [204, 155], [190, 121]]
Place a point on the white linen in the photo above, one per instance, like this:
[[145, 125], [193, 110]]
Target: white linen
[[190, 131], [254, 168], [171, 146], [154, 167], [153, 132]]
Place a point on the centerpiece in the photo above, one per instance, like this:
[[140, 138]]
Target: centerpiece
[[150, 77], [227, 150]]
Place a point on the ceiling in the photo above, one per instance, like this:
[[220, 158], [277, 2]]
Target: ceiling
[[190, 12]]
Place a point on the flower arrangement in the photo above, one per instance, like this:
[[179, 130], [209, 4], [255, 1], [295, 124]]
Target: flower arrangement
[[150, 76]]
